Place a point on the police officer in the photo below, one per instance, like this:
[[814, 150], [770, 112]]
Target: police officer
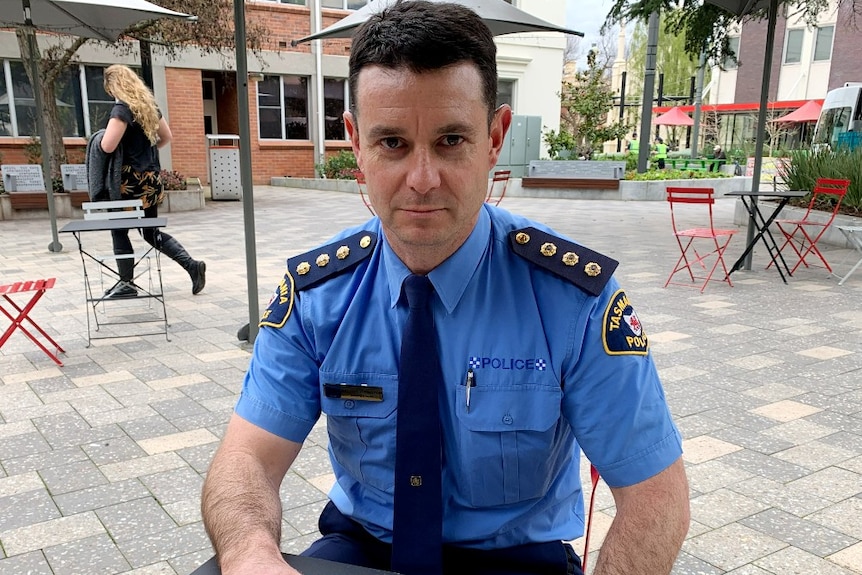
[[539, 352]]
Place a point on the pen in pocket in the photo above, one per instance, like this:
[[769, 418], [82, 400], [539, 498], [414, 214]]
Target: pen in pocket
[[470, 383]]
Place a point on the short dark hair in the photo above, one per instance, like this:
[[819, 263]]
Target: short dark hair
[[423, 36]]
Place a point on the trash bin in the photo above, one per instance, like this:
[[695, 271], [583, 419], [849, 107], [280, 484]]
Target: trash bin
[[223, 157]]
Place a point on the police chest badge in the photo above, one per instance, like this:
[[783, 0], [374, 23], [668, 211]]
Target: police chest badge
[[280, 305], [622, 332]]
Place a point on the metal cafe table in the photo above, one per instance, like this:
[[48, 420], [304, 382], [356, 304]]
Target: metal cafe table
[[154, 291], [761, 225]]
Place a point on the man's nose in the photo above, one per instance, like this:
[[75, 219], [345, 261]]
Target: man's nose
[[424, 171]]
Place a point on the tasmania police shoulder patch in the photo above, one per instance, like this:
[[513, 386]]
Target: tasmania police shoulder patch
[[585, 268], [311, 268], [622, 332]]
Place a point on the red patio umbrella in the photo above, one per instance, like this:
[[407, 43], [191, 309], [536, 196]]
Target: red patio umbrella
[[807, 112], [674, 117]]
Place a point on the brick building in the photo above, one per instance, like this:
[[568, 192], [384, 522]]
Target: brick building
[[198, 93]]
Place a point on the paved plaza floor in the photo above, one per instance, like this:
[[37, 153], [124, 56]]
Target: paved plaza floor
[[101, 461]]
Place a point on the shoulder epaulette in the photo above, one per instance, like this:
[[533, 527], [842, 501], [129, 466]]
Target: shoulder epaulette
[[311, 268], [585, 268], [320, 264]]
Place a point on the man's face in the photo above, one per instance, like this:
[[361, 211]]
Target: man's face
[[423, 143]]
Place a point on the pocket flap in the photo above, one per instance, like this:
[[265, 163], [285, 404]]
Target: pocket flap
[[525, 407]]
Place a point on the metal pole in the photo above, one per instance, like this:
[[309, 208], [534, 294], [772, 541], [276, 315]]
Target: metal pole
[[622, 105], [698, 97], [660, 99], [649, 87], [245, 167], [146, 63], [761, 127], [55, 245], [317, 48]]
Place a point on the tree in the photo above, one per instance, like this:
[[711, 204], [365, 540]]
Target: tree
[[586, 103], [213, 33], [704, 26]]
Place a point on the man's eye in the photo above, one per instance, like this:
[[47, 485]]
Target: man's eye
[[452, 140], [391, 143]]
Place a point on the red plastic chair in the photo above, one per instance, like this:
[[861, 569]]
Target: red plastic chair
[[363, 193], [500, 177], [689, 239], [803, 234]]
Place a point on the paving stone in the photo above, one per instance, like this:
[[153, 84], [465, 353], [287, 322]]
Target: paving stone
[[43, 460], [845, 516], [721, 507], [832, 483], [21, 483], [31, 563], [101, 496], [133, 519], [794, 500], [141, 551], [49, 533], [26, 508], [147, 427], [96, 555], [805, 535], [850, 558], [764, 465], [732, 546], [113, 450], [72, 477], [791, 561], [173, 485], [23, 445]]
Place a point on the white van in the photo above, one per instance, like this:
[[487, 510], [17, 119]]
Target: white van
[[842, 112]]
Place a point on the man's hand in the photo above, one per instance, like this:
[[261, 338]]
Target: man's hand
[[649, 527]]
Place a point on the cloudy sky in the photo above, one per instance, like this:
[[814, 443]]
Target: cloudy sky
[[587, 16]]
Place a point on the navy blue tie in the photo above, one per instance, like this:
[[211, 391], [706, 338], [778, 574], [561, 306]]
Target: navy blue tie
[[417, 534]]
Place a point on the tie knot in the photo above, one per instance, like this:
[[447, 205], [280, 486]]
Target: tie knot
[[417, 289]]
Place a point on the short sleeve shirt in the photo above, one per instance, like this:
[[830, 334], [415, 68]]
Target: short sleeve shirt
[[138, 152], [550, 380]]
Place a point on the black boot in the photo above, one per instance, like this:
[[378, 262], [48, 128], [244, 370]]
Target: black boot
[[124, 288], [197, 269]]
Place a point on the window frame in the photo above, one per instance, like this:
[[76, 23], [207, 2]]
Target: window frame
[[282, 107]]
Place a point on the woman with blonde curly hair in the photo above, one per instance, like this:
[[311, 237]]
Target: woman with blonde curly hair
[[137, 128]]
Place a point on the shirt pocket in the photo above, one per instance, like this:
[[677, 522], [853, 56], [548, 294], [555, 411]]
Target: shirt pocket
[[362, 432], [508, 441]]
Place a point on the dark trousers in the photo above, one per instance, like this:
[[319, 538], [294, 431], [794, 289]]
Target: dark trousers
[[346, 541], [122, 243]]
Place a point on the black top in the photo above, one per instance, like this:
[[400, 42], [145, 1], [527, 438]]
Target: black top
[[137, 150]]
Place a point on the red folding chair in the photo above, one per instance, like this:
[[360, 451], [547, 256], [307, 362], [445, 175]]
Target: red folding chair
[[19, 315], [363, 193], [499, 181], [690, 239], [803, 234]]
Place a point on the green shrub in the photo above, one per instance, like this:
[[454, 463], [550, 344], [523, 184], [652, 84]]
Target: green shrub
[[650, 175], [629, 158], [558, 143], [804, 167], [340, 166]]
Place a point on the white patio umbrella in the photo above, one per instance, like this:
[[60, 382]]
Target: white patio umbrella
[[500, 16], [99, 19]]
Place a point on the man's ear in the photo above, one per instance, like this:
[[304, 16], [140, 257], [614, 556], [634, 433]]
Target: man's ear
[[499, 128], [353, 133]]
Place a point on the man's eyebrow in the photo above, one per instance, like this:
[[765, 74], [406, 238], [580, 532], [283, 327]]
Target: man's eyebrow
[[380, 132], [456, 128]]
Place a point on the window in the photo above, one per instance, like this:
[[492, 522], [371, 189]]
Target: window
[[344, 4], [282, 103], [334, 105], [793, 46], [733, 45], [505, 93], [299, 2], [83, 107], [823, 43]]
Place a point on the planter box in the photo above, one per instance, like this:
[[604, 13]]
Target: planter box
[[832, 237], [68, 205]]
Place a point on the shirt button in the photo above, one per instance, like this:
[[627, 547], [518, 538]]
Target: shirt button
[[508, 419], [349, 404]]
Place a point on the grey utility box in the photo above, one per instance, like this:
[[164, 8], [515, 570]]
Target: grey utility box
[[523, 143], [223, 158]]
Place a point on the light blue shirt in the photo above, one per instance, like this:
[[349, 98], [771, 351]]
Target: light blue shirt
[[550, 379]]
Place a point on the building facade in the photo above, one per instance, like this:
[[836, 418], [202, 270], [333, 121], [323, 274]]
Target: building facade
[[296, 96]]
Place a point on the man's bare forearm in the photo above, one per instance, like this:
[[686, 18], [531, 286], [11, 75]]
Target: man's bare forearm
[[649, 528], [241, 507]]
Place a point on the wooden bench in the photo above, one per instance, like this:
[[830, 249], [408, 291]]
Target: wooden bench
[[571, 183]]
